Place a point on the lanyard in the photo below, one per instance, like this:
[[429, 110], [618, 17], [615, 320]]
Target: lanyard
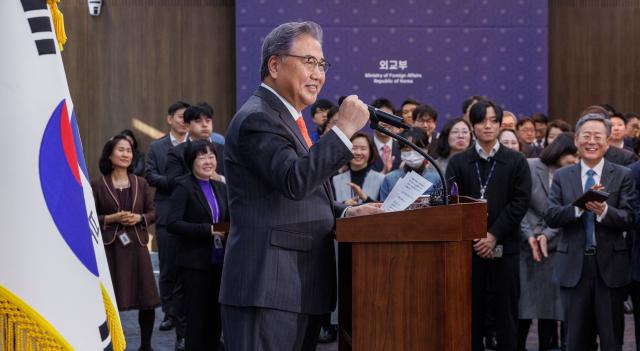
[[483, 185], [215, 210]]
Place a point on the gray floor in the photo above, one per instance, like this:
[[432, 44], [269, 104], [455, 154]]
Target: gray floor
[[165, 340]]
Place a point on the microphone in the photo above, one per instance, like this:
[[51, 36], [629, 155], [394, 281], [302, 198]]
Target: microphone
[[376, 115]]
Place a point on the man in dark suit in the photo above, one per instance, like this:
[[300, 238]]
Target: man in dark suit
[[527, 136], [619, 152], [500, 176], [620, 156], [634, 287], [633, 127], [388, 148], [279, 271], [592, 259], [425, 118], [199, 120], [156, 174]]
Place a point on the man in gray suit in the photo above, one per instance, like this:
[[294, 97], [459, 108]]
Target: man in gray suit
[[592, 259], [156, 175], [279, 270]]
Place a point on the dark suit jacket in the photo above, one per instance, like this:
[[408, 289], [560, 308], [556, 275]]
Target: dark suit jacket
[[280, 251], [531, 150], [619, 156], [612, 255], [508, 191], [433, 145], [190, 221], [635, 232], [176, 165], [630, 144], [156, 175], [395, 151]]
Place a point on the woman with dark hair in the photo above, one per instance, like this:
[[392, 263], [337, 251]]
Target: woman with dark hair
[[555, 128], [138, 156], [509, 139], [359, 183], [454, 138], [198, 205], [125, 211], [539, 296]]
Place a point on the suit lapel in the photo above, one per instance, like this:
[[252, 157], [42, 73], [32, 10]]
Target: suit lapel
[[543, 175], [167, 143], [290, 123], [606, 178], [283, 113], [200, 196], [576, 181]]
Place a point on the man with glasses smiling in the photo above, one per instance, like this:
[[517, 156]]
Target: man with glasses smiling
[[592, 260], [279, 270]]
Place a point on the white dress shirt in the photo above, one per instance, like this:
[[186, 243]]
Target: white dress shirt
[[175, 141], [483, 154]]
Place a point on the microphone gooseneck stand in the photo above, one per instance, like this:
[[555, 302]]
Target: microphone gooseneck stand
[[375, 125]]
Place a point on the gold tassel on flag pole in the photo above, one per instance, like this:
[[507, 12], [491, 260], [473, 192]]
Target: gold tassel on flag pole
[[58, 23], [113, 321], [23, 329]]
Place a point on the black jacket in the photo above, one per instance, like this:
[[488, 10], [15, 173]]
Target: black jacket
[[508, 191], [619, 156], [156, 175], [190, 221]]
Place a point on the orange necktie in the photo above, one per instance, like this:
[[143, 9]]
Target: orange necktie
[[303, 130]]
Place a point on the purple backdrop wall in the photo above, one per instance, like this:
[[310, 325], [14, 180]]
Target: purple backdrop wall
[[438, 52]]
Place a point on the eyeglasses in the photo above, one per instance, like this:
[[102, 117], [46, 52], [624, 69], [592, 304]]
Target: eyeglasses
[[312, 63], [595, 137], [424, 121]]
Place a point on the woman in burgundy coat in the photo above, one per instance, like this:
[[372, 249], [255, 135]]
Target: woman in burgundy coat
[[125, 211]]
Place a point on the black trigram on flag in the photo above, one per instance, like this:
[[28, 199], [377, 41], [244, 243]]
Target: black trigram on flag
[[105, 336], [40, 24]]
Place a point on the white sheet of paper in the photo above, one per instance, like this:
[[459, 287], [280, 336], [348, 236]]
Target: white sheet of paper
[[405, 192]]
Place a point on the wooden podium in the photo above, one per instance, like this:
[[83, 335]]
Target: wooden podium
[[405, 278]]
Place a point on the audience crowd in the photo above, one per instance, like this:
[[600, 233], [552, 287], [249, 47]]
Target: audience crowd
[[573, 270]]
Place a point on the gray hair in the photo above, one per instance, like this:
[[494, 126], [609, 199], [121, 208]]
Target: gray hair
[[593, 116], [279, 41]]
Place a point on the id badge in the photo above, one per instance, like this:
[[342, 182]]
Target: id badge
[[497, 251], [124, 239], [217, 242]]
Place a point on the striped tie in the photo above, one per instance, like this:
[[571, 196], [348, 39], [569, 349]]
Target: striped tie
[[588, 217]]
